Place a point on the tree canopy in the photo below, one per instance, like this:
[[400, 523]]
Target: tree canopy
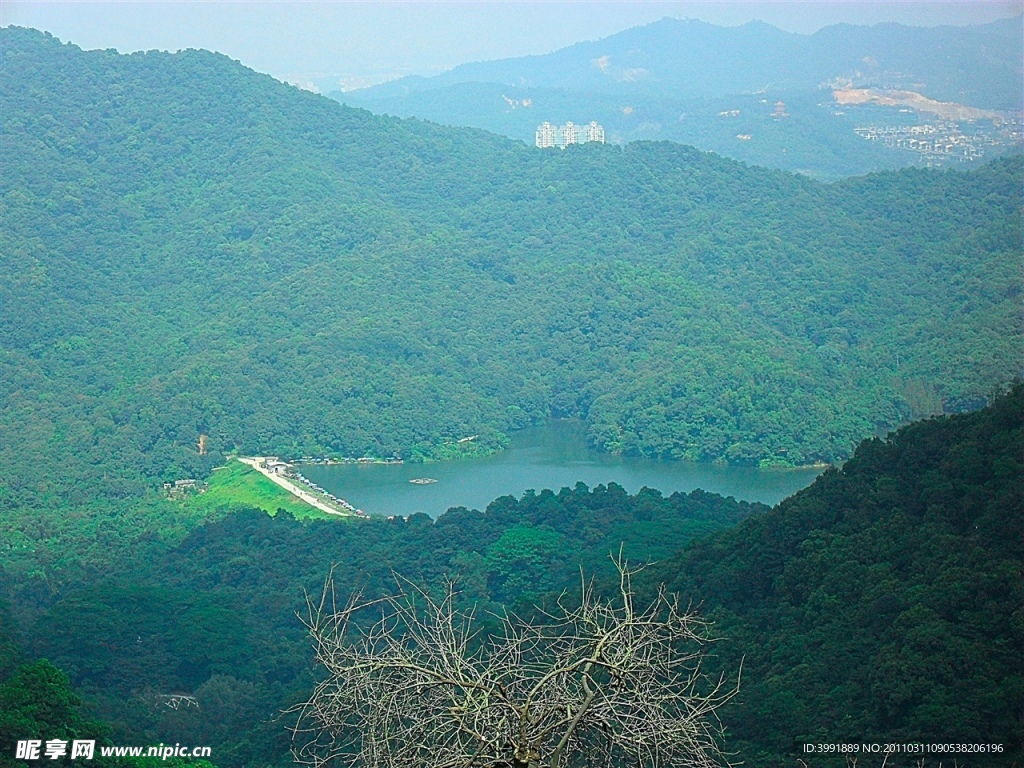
[[195, 249], [883, 602]]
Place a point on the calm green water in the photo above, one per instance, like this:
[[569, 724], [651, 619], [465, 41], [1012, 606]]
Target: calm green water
[[552, 456]]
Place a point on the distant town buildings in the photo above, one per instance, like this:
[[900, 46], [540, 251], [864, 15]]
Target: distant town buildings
[[561, 136], [935, 143]]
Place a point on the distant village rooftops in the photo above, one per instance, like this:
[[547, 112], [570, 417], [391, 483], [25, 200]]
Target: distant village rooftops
[[561, 136]]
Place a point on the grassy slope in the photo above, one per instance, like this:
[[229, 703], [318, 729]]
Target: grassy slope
[[238, 485]]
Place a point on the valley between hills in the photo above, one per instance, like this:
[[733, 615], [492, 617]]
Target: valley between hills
[[198, 261]]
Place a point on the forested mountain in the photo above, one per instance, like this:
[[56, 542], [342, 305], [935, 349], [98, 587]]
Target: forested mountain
[[812, 140], [214, 615], [883, 603], [718, 88], [196, 259], [190, 248]]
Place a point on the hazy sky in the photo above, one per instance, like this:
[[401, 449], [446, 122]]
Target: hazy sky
[[325, 42]]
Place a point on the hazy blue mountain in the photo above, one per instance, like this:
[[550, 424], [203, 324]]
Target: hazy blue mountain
[[717, 88], [812, 139], [979, 66]]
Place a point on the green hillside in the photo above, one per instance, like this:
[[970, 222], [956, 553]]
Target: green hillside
[[214, 615], [196, 259], [880, 605], [883, 603], [190, 248]]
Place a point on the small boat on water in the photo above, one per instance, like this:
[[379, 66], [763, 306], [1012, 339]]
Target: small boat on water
[[422, 480]]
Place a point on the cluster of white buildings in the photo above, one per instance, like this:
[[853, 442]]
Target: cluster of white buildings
[[561, 136], [933, 141]]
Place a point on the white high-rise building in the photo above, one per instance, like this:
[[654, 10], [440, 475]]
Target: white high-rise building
[[570, 135], [562, 136], [546, 135], [593, 132]]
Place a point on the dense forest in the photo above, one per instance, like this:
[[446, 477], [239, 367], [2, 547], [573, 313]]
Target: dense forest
[[215, 614], [197, 260], [882, 604], [194, 249]]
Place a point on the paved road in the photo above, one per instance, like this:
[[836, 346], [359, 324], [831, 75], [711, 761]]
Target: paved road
[[292, 488]]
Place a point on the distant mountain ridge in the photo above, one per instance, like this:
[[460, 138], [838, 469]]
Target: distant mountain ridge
[[717, 88], [978, 65]]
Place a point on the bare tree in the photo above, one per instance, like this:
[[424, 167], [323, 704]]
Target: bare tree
[[598, 684]]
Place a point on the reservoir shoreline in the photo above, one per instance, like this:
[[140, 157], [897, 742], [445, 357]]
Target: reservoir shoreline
[[552, 456]]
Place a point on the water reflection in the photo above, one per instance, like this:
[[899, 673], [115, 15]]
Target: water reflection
[[551, 456]]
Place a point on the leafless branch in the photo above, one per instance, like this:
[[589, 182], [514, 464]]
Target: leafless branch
[[594, 685]]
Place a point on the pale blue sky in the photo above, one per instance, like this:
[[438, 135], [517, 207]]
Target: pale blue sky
[[326, 42]]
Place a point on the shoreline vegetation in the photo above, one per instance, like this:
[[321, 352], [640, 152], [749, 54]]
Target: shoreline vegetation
[[443, 453], [288, 482], [329, 462]]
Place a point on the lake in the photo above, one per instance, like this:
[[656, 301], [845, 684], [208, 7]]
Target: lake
[[551, 456]]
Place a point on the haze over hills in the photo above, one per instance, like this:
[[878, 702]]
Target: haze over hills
[[678, 79], [197, 249], [196, 259], [979, 66]]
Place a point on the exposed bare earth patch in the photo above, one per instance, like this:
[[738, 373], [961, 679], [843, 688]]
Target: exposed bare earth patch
[[945, 110]]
